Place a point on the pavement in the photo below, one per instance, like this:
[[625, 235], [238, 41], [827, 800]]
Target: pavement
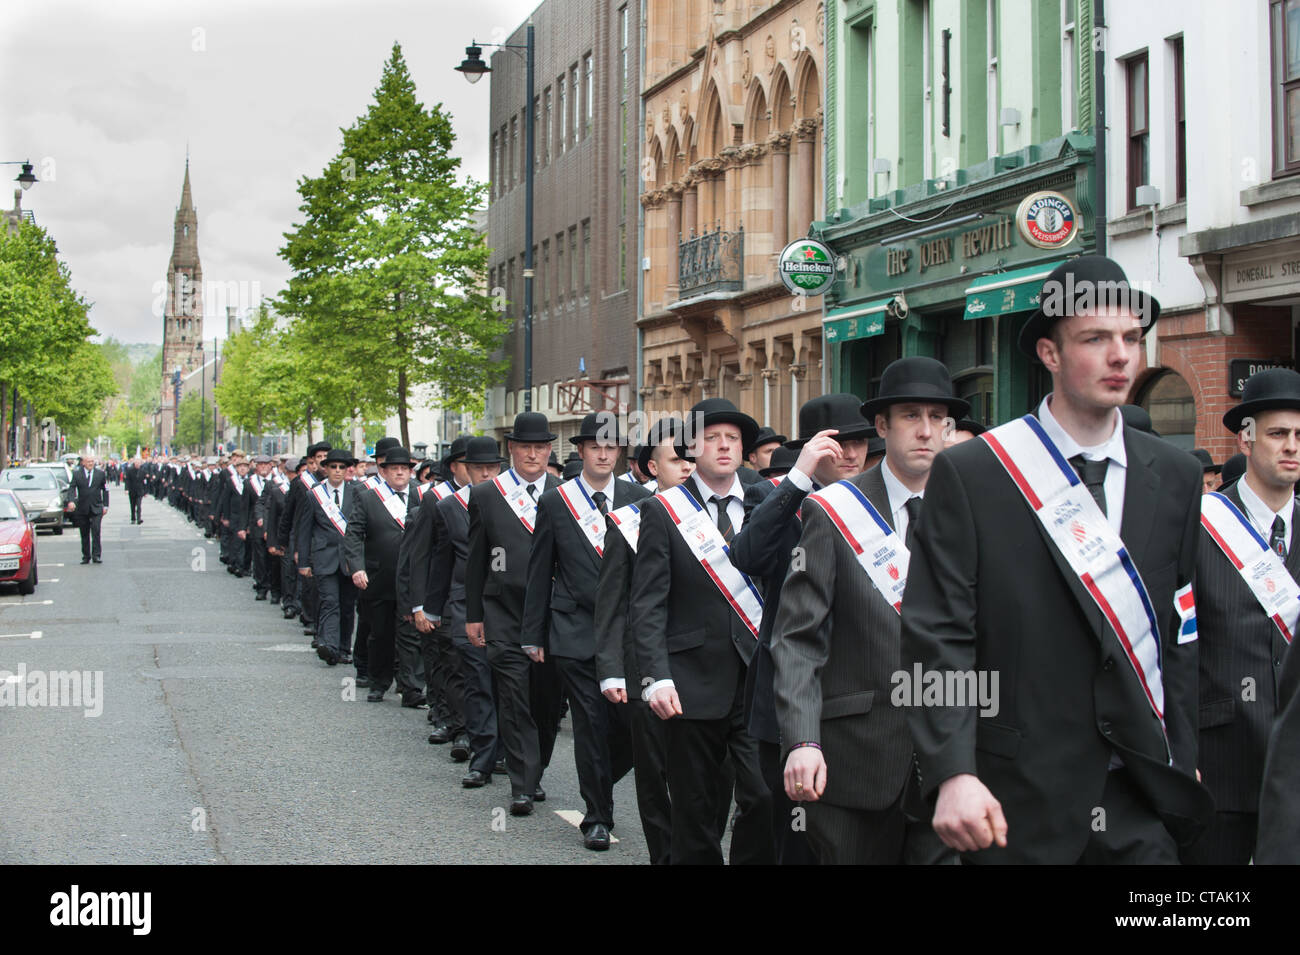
[[200, 728]]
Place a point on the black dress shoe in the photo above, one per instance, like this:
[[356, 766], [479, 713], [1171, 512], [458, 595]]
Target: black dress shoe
[[413, 701], [328, 655], [96, 560], [309, 631], [345, 658], [261, 596], [289, 613], [474, 779], [521, 806], [460, 749], [597, 837], [375, 695], [540, 795], [85, 560], [441, 734], [500, 767], [432, 716], [275, 600], [315, 644]]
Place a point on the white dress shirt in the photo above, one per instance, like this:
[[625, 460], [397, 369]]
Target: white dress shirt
[[1112, 449], [736, 511], [1261, 515], [899, 494]]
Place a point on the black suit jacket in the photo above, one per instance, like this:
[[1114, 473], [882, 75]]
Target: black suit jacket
[[445, 585], [89, 491], [1278, 842], [762, 550], [615, 650], [273, 507], [496, 580], [418, 545], [563, 569], [1236, 641], [374, 543], [684, 628], [320, 545], [987, 592]]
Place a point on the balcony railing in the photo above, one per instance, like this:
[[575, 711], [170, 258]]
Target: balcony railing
[[712, 262]]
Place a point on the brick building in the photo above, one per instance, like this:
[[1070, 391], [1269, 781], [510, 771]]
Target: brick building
[[588, 56], [732, 170]]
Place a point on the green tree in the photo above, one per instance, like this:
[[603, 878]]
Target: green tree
[[146, 382], [388, 269], [190, 426]]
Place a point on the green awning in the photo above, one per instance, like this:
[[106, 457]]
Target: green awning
[[1004, 292], [855, 321]]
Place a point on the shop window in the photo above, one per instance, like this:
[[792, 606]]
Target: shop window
[[1286, 85], [1168, 399], [967, 349]]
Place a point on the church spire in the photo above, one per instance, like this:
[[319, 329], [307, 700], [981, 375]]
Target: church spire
[[187, 202]]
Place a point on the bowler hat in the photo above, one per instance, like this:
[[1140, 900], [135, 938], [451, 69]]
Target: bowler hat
[[397, 455], [428, 464], [660, 431], [1080, 285], [598, 426], [842, 412], [572, 469], [481, 450], [531, 426], [1233, 468], [915, 379], [338, 455], [1135, 416], [1266, 390], [764, 436], [457, 449], [970, 425], [318, 447], [713, 411], [1207, 463], [783, 459], [553, 461]]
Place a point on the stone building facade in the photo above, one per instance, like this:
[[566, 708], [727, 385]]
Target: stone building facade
[[731, 170]]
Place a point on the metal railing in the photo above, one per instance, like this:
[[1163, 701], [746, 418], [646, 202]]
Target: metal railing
[[711, 262]]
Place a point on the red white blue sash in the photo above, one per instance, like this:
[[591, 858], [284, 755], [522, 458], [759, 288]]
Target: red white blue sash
[[445, 489], [628, 520], [236, 482], [1259, 565], [373, 482], [321, 493], [880, 551], [584, 510], [463, 497], [706, 545], [392, 503], [516, 495], [309, 479], [1083, 536], [281, 481], [257, 482]]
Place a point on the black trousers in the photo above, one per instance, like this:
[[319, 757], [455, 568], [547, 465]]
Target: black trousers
[[515, 725], [1133, 834], [288, 583], [338, 601], [480, 703], [135, 505], [546, 700], [602, 741], [650, 758], [392, 649], [309, 599], [88, 524], [444, 678], [790, 842], [843, 836], [1229, 839], [696, 752], [261, 575]]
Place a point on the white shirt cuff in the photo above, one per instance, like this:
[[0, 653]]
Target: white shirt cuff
[[529, 646], [419, 609], [800, 480], [655, 687], [613, 683]]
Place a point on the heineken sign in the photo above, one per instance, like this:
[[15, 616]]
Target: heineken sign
[[807, 267]]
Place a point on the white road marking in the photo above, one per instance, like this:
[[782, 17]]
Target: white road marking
[[574, 818], [33, 635], [289, 648]]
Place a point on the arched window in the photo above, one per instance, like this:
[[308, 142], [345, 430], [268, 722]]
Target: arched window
[[1168, 399]]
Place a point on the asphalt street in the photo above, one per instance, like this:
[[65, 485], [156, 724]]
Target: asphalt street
[[222, 738]]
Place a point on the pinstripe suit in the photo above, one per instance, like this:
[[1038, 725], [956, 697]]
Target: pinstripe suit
[[835, 646], [1279, 810], [1237, 642]]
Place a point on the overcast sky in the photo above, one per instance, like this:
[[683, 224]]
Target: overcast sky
[[103, 98]]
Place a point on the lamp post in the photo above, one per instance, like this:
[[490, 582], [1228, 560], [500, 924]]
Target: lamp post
[[24, 178], [473, 68]]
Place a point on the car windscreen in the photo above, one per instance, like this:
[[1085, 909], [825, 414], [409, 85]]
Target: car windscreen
[[9, 509], [28, 480]]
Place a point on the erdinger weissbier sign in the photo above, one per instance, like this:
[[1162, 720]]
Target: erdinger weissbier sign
[[807, 267]]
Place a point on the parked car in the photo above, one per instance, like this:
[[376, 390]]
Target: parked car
[[43, 496], [60, 468], [17, 544]]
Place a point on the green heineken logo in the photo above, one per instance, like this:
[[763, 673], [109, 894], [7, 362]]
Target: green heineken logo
[[807, 267]]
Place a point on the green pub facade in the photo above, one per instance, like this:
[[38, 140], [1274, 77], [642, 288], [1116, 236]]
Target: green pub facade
[[962, 176]]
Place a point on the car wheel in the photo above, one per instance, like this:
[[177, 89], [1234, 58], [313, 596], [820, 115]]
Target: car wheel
[[58, 529], [28, 587]]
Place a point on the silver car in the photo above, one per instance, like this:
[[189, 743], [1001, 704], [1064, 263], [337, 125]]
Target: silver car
[[44, 497]]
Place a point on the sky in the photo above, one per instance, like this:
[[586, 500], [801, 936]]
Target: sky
[[104, 98]]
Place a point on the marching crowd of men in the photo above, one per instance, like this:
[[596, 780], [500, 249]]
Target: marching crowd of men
[[793, 639]]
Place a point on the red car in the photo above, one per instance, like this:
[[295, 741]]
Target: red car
[[17, 544]]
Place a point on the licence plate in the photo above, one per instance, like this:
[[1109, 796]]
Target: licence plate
[[9, 563]]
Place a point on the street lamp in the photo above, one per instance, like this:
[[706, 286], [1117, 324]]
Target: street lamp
[[473, 68], [24, 178]]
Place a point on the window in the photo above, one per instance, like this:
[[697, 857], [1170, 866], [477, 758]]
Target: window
[[573, 261], [510, 284], [563, 139], [1180, 122], [1286, 86], [1139, 141], [496, 145], [573, 86], [561, 276], [588, 94], [993, 99], [537, 125], [586, 257], [1069, 67], [546, 274], [514, 137]]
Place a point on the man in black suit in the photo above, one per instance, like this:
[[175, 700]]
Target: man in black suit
[[502, 514], [377, 524], [848, 754], [696, 630], [1086, 752], [663, 457], [90, 504], [294, 525], [832, 445], [1278, 841], [321, 545], [443, 604], [1244, 637], [270, 507], [563, 568], [133, 478]]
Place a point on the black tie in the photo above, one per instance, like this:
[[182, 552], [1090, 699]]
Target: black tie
[[1093, 474], [336, 497], [1277, 539], [401, 496], [724, 519], [599, 498], [913, 507], [532, 491]]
